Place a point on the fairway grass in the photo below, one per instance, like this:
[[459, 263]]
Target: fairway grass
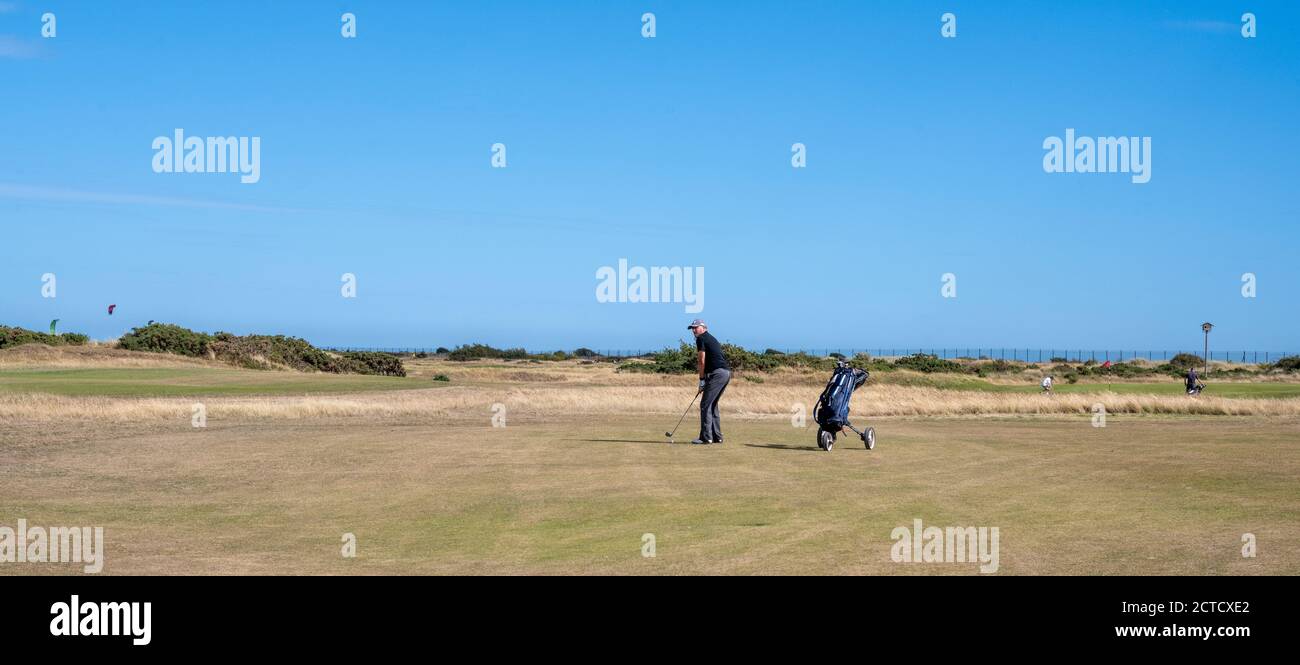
[[1277, 390], [1143, 495], [194, 381], [191, 381], [581, 472]]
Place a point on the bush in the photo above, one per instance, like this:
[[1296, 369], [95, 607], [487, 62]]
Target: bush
[[743, 359], [378, 364], [257, 351], [472, 352], [991, 367], [168, 338], [584, 352], [19, 336], [1186, 361], [467, 352], [271, 351], [441, 377], [681, 360], [1287, 364], [805, 361], [442, 350], [1124, 370], [928, 363]]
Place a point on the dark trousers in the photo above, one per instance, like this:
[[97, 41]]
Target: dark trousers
[[710, 423]]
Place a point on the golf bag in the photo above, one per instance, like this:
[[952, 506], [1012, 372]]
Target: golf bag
[[1196, 388], [832, 409]]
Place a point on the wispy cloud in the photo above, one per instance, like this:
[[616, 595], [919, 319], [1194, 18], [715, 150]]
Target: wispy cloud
[[13, 47], [57, 195]]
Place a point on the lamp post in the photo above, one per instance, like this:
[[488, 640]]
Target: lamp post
[[1206, 327]]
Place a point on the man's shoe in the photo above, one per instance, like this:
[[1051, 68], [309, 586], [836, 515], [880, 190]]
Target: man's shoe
[[700, 442]]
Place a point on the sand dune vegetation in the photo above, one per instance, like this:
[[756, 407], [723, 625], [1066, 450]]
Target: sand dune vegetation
[[93, 356]]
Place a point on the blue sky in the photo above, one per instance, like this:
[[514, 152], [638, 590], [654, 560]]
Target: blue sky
[[924, 158]]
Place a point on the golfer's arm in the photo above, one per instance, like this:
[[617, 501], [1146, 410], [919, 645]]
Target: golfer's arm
[[700, 364]]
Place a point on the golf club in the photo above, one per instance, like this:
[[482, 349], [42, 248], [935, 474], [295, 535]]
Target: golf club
[[679, 420]]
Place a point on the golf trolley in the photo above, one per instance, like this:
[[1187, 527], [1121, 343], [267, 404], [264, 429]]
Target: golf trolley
[[1196, 389], [832, 408]]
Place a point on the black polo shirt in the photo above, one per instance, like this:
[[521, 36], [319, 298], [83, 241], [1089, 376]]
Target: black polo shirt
[[713, 356]]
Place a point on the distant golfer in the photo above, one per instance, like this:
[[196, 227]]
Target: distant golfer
[[1193, 383], [1047, 384], [715, 373]]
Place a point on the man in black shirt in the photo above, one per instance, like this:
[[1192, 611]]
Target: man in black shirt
[[715, 373]]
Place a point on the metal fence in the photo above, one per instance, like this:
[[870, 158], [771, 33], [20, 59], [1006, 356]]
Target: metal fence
[[1050, 354], [972, 352]]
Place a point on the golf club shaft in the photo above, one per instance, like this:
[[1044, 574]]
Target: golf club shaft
[[688, 409]]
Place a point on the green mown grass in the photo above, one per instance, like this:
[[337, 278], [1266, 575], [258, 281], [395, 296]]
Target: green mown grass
[[1173, 387], [184, 382], [1276, 390], [171, 382]]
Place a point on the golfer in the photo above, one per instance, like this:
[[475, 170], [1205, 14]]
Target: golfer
[[1047, 385], [715, 373], [1192, 381]]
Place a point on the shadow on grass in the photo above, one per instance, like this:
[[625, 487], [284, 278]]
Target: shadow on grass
[[782, 446], [663, 440]]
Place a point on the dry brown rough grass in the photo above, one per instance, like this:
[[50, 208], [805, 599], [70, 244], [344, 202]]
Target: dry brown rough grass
[[587, 400]]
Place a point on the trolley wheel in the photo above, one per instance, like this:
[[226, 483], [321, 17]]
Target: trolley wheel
[[869, 438]]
